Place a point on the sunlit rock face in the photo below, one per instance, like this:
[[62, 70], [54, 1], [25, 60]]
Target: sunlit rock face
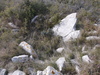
[[60, 63], [28, 48], [18, 72], [20, 58], [67, 28]]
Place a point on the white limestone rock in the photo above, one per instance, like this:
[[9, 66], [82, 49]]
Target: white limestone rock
[[28, 48], [20, 58], [59, 50], [51, 71], [92, 38], [60, 63], [18, 72], [86, 59], [3, 71], [67, 25], [72, 35]]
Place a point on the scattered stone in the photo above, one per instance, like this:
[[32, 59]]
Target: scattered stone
[[3, 71], [59, 50], [28, 48], [86, 59], [60, 63], [18, 72], [92, 38], [12, 25], [51, 71], [21, 58]]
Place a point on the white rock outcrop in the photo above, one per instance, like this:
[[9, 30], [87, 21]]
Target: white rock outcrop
[[86, 59], [18, 72], [28, 48], [20, 58], [67, 28], [59, 50], [3, 71], [60, 63]]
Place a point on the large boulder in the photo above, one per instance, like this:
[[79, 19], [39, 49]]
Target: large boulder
[[28, 48], [49, 71], [3, 71], [67, 28], [20, 58], [60, 63], [18, 72], [86, 59]]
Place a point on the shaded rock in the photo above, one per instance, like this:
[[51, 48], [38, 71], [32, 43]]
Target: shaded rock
[[60, 63], [59, 50], [51, 71], [18, 72], [3, 71], [92, 38], [28, 48], [21, 58], [67, 25], [86, 59]]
